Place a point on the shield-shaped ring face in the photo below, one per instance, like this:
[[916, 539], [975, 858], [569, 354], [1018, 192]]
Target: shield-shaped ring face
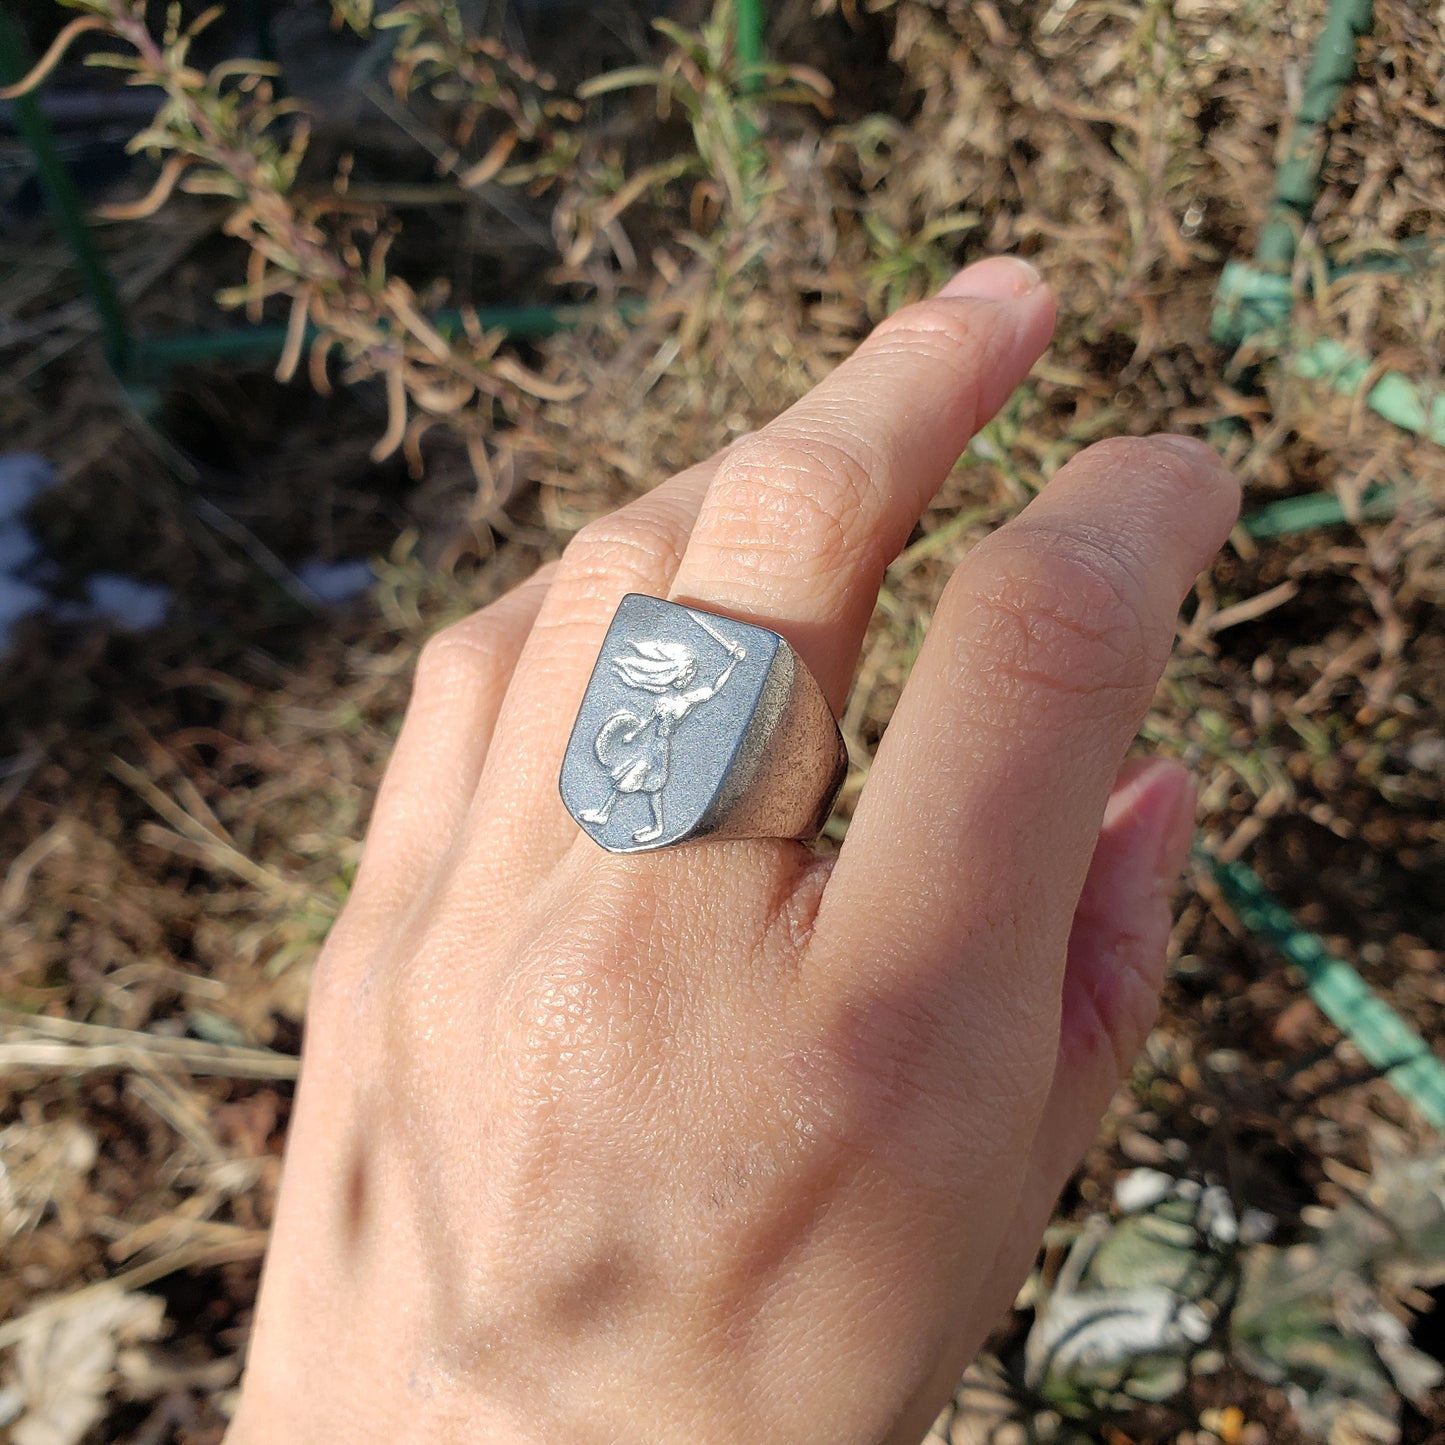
[[670, 715]]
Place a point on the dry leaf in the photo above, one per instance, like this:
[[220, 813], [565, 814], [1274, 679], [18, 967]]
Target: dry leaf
[[64, 1363], [42, 1165]]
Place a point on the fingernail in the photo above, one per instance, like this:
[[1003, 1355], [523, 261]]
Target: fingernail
[[1190, 447], [999, 278], [1159, 797], [1177, 833]]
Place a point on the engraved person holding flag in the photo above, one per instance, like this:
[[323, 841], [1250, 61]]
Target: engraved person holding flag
[[637, 752]]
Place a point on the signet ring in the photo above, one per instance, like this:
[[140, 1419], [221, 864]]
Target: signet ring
[[697, 726]]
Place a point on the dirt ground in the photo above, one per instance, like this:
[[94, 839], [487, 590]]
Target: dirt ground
[[181, 809]]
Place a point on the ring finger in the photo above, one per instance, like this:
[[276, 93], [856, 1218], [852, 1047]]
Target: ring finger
[[635, 549]]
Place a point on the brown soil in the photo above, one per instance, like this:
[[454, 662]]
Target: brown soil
[[180, 811]]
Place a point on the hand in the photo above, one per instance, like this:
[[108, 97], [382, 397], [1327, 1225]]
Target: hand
[[731, 1142]]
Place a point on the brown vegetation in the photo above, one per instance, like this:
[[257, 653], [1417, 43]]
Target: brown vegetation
[[180, 812]]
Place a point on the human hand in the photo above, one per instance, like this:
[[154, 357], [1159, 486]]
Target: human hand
[[731, 1142]]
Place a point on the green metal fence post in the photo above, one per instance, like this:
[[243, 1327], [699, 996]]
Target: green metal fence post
[[1297, 182], [66, 208]]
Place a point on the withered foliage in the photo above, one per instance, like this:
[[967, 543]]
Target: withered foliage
[[180, 837], [224, 133]]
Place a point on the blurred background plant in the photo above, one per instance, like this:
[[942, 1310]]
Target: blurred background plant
[[524, 261], [1175, 1284], [490, 118], [322, 251]]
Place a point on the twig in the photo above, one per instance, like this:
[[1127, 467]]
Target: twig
[[250, 1244], [66, 1046]]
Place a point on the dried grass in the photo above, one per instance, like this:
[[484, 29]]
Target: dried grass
[[181, 828]]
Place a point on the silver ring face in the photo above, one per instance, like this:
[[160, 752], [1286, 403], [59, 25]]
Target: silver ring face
[[695, 725]]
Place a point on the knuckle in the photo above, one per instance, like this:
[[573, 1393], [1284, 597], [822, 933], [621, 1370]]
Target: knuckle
[[942, 329], [796, 495], [1055, 612], [327, 988], [341, 997], [472, 652], [620, 543]]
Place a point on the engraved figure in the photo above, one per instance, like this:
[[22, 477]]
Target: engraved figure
[[637, 751]]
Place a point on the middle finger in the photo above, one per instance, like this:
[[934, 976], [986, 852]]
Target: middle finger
[[802, 517]]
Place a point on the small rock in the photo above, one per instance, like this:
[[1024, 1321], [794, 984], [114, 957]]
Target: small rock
[[1216, 1215], [1138, 1148], [1427, 753], [1255, 1226], [1225, 1423], [1140, 1188], [1294, 1024], [336, 582]]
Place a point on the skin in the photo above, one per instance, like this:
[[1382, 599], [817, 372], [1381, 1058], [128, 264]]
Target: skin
[[731, 1142]]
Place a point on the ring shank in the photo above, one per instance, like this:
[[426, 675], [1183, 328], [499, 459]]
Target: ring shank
[[789, 766]]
